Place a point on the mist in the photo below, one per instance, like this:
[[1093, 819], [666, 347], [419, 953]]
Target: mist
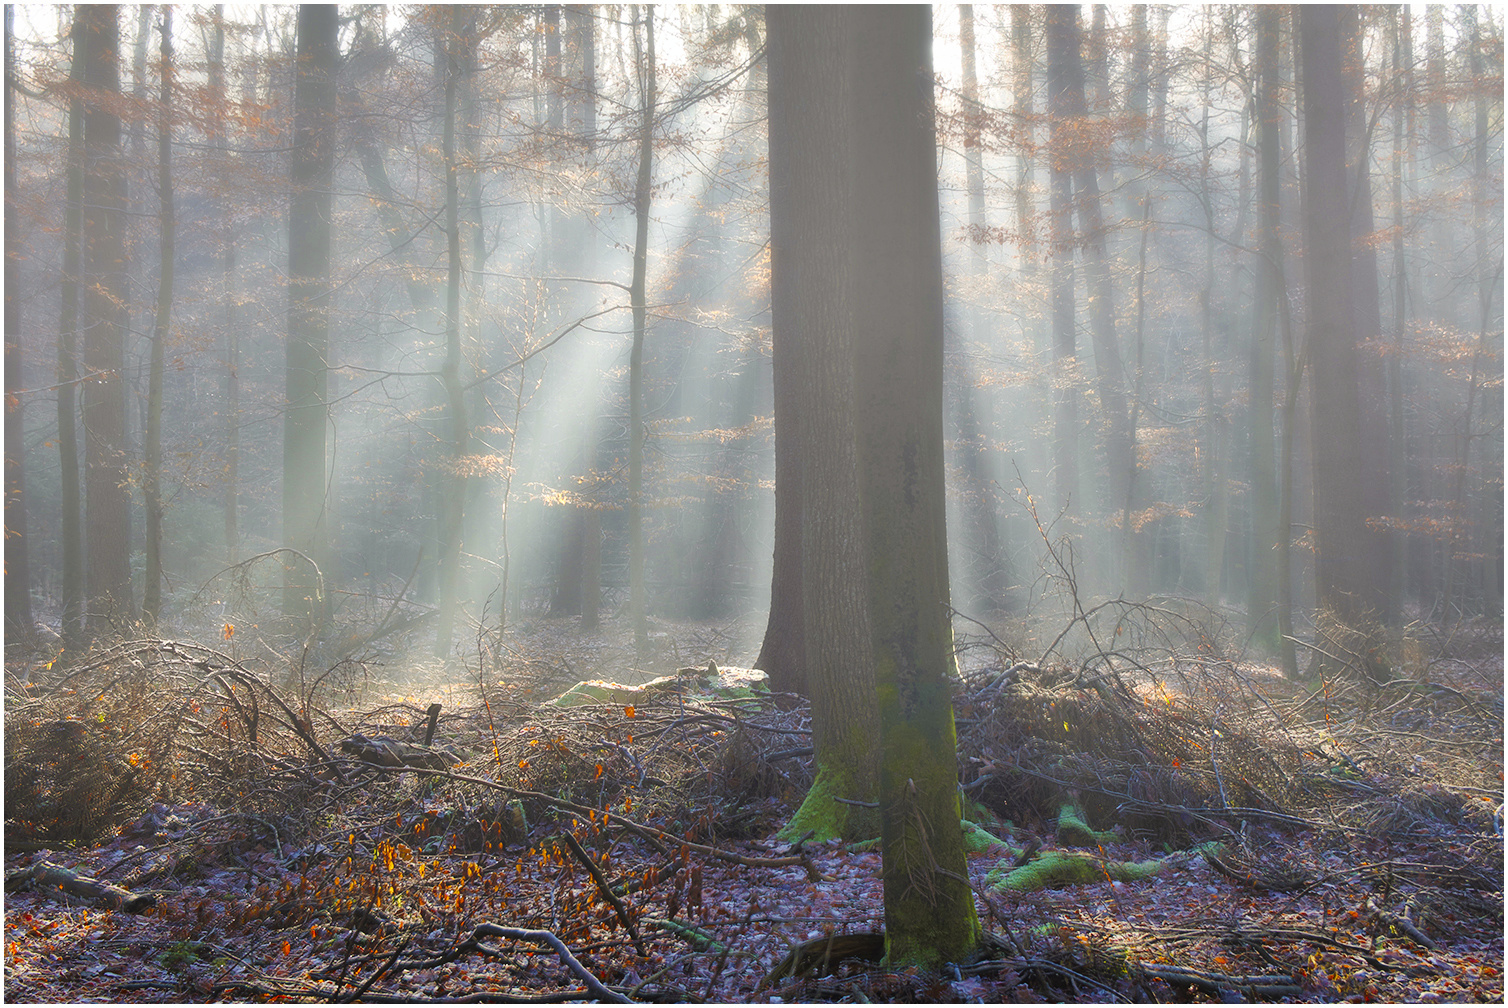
[[1129, 386]]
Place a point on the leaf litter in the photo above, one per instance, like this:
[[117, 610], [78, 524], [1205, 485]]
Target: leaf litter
[[310, 829]]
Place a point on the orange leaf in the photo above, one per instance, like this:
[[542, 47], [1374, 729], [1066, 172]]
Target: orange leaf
[[228, 632], [628, 712]]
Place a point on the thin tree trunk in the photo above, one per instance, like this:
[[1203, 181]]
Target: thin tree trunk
[[1021, 105], [71, 492], [1339, 501], [106, 473], [637, 602], [305, 597], [1366, 294], [1268, 536], [151, 487], [458, 39], [1401, 24], [18, 622], [231, 496], [985, 567], [1062, 45]]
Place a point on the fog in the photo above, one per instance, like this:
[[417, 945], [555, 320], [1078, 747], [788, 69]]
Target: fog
[[1163, 496]]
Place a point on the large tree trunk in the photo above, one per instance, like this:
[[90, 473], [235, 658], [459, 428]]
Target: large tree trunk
[[17, 560], [810, 94], [310, 292], [898, 379], [106, 472]]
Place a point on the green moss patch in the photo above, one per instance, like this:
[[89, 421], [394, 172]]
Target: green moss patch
[[1058, 869], [1074, 830]]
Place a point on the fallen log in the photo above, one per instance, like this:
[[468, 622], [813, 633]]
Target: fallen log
[[46, 877]]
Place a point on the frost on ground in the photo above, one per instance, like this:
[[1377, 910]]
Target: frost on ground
[[319, 831]]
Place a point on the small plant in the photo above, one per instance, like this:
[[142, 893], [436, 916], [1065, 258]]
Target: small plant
[[181, 955]]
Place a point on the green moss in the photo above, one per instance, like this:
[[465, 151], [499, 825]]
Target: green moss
[[977, 840], [1056, 869], [974, 812], [1072, 829], [827, 818]]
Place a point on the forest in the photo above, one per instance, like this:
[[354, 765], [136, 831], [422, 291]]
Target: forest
[[725, 503]]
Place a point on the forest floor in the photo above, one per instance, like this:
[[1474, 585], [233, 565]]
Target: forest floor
[[192, 823]]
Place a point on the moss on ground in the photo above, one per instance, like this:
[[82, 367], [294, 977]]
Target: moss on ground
[[1075, 831], [1055, 869]]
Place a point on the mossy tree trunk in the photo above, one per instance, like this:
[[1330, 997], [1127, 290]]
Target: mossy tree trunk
[[898, 324]]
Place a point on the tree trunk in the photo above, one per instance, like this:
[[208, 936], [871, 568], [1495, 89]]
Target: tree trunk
[[1021, 105], [151, 484], [1366, 294], [1267, 537], [637, 296], [305, 528], [231, 498], [898, 378], [18, 624], [1062, 50], [459, 39], [1339, 501], [1110, 374], [71, 493], [810, 81], [106, 472], [984, 572]]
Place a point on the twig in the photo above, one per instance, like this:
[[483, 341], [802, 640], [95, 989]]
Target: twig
[[607, 892], [598, 989]]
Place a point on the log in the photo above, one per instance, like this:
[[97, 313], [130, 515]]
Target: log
[[46, 876]]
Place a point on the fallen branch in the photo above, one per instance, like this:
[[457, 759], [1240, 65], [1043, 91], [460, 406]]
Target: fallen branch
[[607, 892], [1257, 988], [46, 876], [598, 989]]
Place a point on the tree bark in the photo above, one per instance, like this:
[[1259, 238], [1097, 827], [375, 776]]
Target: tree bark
[[1267, 537], [637, 296], [810, 82], [898, 379], [305, 599], [1339, 502], [70, 491], [18, 624], [151, 484], [458, 41], [106, 472], [1062, 49]]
